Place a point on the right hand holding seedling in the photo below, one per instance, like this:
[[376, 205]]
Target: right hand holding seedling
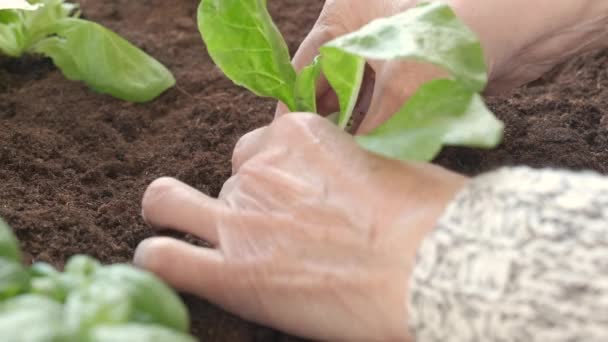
[[522, 40]]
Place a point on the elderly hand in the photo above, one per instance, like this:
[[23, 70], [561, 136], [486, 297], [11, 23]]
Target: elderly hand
[[312, 235], [522, 40]]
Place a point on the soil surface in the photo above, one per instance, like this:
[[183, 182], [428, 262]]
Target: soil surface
[[74, 164]]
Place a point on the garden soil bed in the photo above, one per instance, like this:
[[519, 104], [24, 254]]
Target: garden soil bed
[[74, 164]]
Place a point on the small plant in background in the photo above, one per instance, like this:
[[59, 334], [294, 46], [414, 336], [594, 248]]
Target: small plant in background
[[83, 50], [86, 302], [245, 43]]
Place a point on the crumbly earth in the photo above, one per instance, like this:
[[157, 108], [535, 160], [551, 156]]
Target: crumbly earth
[[74, 164]]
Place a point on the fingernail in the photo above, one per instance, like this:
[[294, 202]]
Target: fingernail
[[140, 257]]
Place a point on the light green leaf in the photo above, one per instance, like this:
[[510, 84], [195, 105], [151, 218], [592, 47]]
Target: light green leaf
[[48, 282], [82, 266], [244, 42], [106, 62], [431, 33], [18, 4], [441, 112], [98, 303], [344, 72], [41, 23], [9, 246], [31, 318], [20, 29], [136, 333], [306, 87], [153, 301], [12, 34], [14, 279]]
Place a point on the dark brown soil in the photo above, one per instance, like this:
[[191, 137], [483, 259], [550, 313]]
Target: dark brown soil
[[74, 164]]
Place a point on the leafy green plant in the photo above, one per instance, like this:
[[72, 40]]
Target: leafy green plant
[[86, 302], [244, 42], [83, 50]]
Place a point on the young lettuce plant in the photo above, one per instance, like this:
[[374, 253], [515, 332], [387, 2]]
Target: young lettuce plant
[[245, 43], [83, 50], [86, 302]]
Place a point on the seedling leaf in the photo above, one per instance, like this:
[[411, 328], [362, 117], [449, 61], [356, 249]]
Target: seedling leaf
[[18, 4], [306, 87], [9, 246], [441, 112], [344, 72], [244, 42], [431, 33], [86, 51]]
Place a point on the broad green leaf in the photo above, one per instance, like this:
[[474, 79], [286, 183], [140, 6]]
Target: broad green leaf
[[31, 318], [12, 33], [18, 4], [47, 281], [244, 42], [107, 63], [136, 333], [98, 303], [41, 23], [82, 266], [20, 29], [9, 246], [14, 279], [431, 33], [442, 112], [344, 72], [306, 87], [153, 301]]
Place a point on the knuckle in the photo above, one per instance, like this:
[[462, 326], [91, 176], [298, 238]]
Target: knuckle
[[244, 145], [298, 125]]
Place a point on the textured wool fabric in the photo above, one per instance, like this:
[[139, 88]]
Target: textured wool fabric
[[519, 255]]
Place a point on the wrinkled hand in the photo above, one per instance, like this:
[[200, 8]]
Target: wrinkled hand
[[312, 235], [522, 40]]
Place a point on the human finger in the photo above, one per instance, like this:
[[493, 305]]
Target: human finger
[[248, 146], [169, 203], [196, 270], [396, 81]]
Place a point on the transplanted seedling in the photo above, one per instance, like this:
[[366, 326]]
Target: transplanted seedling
[[87, 302], [83, 50], [244, 42]]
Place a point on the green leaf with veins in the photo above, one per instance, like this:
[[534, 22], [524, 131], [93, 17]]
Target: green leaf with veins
[[244, 42], [431, 33], [441, 112], [344, 72], [88, 52], [306, 87]]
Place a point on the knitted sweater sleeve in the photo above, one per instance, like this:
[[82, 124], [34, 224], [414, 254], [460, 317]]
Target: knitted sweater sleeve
[[519, 255]]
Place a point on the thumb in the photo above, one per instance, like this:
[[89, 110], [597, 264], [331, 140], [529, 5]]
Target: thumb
[[305, 55], [396, 82]]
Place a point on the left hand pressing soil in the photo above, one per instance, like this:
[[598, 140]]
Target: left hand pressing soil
[[312, 235]]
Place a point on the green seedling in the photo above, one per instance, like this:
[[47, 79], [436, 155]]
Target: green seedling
[[86, 302], [244, 42], [83, 50]]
